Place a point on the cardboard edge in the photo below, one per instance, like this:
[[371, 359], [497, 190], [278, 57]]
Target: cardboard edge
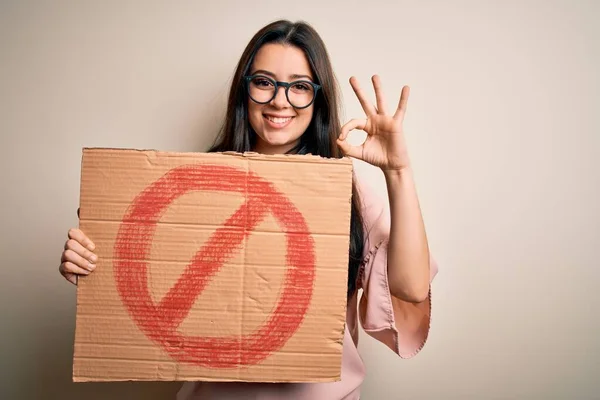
[[201, 379], [244, 155], [350, 201], [74, 377]]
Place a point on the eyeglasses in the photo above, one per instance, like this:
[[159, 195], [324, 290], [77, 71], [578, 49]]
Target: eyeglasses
[[262, 89]]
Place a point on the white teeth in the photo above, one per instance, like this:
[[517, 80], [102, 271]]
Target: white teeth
[[278, 120]]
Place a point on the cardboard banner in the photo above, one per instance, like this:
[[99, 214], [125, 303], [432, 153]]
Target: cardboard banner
[[213, 267]]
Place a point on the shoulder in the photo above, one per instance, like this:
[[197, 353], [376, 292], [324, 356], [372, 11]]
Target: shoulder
[[372, 192]]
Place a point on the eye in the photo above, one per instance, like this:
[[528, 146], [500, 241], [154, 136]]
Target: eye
[[262, 82], [301, 87]]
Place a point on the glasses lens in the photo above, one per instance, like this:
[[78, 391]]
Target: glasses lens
[[301, 94], [261, 89]]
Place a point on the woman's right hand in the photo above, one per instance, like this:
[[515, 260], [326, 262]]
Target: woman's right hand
[[78, 257]]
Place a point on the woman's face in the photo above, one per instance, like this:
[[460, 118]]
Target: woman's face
[[278, 124]]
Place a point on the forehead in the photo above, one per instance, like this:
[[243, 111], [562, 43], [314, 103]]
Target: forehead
[[284, 61]]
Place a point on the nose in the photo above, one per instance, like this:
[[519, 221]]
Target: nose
[[280, 101]]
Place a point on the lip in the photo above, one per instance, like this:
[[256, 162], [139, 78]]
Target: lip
[[276, 125], [279, 116]]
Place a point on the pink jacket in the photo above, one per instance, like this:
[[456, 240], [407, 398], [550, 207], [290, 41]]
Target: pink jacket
[[401, 326]]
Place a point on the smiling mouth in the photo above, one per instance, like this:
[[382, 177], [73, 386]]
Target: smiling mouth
[[278, 120]]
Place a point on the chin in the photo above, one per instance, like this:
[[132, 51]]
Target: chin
[[279, 140]]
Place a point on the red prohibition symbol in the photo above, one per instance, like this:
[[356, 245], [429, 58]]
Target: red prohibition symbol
[[160, 321]]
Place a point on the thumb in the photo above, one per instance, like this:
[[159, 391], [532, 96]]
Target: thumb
[[350, 150]]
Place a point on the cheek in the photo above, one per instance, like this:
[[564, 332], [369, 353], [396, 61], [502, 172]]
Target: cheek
[[305, 116], [255, 116]]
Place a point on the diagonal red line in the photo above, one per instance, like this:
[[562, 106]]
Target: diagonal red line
[[220, 247]]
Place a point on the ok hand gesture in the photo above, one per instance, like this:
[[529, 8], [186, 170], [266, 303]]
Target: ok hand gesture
[[384, 146]]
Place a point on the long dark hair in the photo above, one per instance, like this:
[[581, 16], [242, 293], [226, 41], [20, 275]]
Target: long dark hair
[[320, 136]]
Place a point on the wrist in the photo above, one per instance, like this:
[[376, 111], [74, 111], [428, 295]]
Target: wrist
[[396, 173]]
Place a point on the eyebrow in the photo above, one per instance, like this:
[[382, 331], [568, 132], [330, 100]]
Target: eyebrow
[[294, 76]]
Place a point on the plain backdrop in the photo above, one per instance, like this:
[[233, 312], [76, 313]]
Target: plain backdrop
[[502, 128]]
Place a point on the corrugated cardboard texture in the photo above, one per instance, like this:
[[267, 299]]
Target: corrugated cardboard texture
[[221, 267]]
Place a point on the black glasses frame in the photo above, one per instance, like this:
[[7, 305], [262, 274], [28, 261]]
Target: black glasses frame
[[286, 85]]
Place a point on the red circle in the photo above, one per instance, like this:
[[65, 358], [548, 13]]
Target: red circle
[[160, 321]]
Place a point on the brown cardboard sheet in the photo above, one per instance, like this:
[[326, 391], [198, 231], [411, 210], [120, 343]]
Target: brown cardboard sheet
[[214, 267]]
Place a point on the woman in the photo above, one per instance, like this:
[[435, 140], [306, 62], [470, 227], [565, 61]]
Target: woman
[[284, 99]]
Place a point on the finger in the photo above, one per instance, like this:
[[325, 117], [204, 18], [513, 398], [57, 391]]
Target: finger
[[71, 278], [74, 245], [68, 267], [402, 104], [76, 259], [381, 106], [350, 150], [362, 98], [351, 125], [78, 235]]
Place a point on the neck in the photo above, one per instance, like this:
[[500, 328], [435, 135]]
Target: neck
[[265, 148]]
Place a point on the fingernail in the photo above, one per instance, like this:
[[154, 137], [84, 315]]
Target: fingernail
[[93, 258], [91, 247], [91, 266]]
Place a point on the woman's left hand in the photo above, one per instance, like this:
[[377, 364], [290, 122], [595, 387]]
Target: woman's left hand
[[384, 146]]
